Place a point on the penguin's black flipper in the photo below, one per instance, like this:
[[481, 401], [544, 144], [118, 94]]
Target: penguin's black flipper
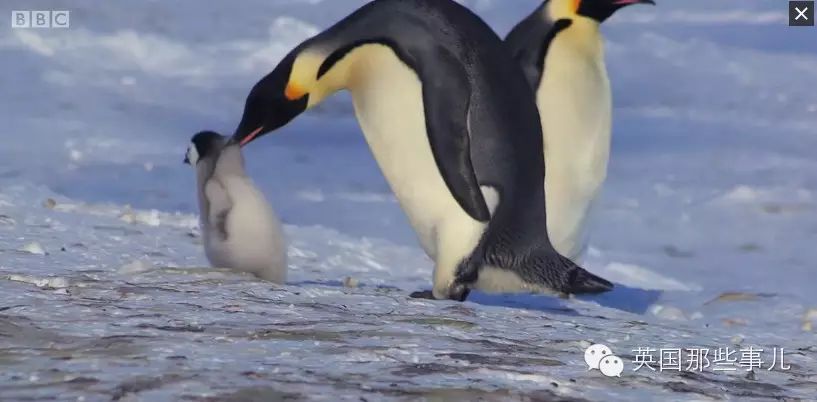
[[217, 206], [446, 100]]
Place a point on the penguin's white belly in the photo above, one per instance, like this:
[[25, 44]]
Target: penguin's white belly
[[389, 108], [575, 105], [255, 241]]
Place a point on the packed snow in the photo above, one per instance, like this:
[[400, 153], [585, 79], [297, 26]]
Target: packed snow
[[707, 224]]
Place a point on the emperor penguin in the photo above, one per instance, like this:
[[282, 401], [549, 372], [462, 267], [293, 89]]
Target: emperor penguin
[[239, 228], [453, 127], [561, 51]]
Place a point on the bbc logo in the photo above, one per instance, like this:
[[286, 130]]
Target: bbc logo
[[801, 13], [40, 19]]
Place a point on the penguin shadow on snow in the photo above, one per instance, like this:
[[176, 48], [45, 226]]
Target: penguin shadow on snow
[[631, 300], [624, 298]]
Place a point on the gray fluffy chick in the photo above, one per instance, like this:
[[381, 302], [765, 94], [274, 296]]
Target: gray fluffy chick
[[240, 229]]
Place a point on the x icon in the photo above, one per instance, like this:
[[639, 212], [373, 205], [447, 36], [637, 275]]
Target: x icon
[[801, 13]]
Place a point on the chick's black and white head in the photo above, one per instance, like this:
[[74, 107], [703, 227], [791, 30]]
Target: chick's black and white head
[[203, 145]]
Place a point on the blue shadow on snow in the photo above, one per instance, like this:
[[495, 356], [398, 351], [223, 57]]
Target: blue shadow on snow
[[631, 300]]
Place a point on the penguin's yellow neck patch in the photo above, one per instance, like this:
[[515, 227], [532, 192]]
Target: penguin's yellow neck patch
[[584, 36], [294, 91], [559, 9], [583, 33], [569, 9], [302, 79]]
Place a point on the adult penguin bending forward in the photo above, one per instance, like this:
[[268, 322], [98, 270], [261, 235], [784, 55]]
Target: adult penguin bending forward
[[455, 130]]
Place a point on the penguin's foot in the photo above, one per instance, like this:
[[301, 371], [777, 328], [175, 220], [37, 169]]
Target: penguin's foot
[[423, 294], [580, 281], [458, 292], [560, 275]]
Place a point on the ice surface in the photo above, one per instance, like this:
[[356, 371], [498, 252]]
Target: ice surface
[[707, 225]]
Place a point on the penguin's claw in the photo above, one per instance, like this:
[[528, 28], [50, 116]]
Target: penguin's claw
[[423, 294], [583, 282], [457, 293]]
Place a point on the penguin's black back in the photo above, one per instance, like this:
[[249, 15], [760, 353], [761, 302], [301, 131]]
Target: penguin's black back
[[506, 139], [528, 43]]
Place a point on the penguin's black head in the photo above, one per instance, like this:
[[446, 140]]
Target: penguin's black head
[[203, 145], [304, 78], [270, 105], [601, 10]]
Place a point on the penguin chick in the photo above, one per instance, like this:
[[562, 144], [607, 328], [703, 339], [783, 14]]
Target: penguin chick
[[239, 228]]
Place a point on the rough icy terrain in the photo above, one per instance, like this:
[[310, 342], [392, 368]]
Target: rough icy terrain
[[707, 226]]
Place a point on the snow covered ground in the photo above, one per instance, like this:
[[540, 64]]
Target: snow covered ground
[[708, 223]]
